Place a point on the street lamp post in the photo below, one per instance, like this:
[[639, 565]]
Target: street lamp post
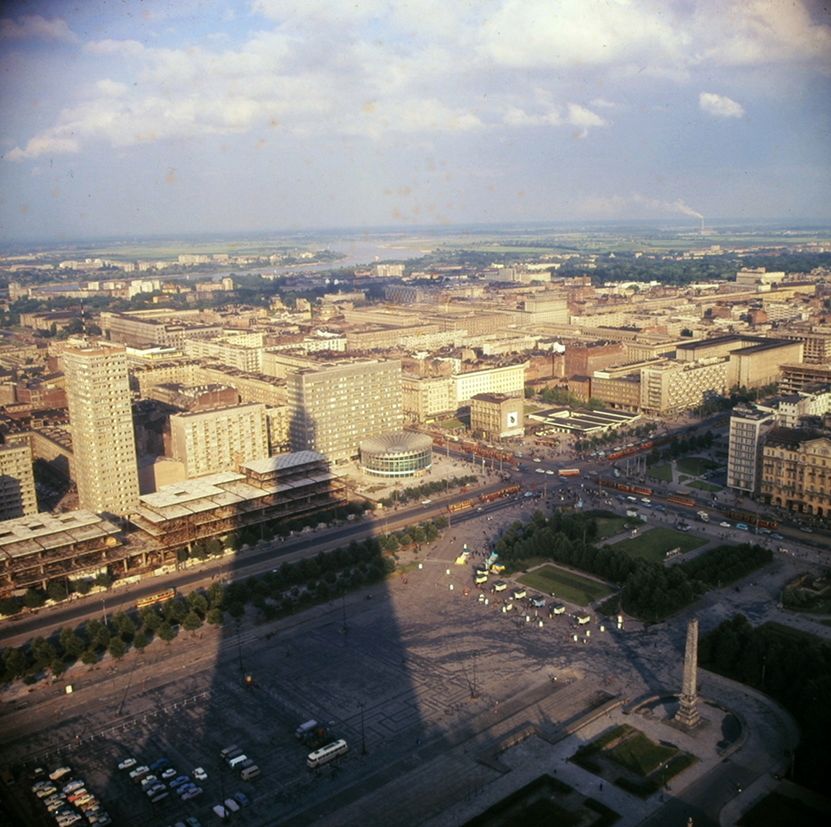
[[363, 729]]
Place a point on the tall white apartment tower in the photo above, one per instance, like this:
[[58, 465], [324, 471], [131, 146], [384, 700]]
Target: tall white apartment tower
[[100, 416]]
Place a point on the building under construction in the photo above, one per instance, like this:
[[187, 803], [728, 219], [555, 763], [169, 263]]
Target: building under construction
[[286, 486], [44, 547], [78, 545]]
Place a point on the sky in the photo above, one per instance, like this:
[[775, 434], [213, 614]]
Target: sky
[[126, 118]]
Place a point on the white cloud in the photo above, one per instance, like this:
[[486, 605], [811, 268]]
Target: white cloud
[[130, 48], [36, 27], [44, 144], [720, 106], [580, 116]]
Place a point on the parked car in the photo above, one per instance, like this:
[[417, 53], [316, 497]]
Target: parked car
[[127, 763], [242, 799], [199, 774]]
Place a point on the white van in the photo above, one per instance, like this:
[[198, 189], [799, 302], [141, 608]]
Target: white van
[[237, 761]]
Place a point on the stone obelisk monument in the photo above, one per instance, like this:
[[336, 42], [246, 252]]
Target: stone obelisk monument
[[687, 715]]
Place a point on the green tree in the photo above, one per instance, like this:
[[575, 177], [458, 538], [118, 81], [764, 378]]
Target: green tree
[[140, 640], [214, 616], [117, 648], [57, 590], [124, 624], [192, 621], [166, 632], [15, 663], [34, 598], [72, 643], [89, 657]]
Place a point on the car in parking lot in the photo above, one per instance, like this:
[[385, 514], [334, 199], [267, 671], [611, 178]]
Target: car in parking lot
[[242, 799], [199, 774], [127, 763], [138, 772], [193, 821], [160, 763], [191, 792], [725, 524], [170, 772], [231, 805], [177, 782], [44, 792]]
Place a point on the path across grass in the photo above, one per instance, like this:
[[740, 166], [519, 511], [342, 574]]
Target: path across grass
[[654, 543], [568, 585]]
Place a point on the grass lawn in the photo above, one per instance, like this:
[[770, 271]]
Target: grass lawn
[[565, 584], [703, 486], [609, 526], [654, 543], [640, 755], [451, 424], [696, 466], [661, 471]]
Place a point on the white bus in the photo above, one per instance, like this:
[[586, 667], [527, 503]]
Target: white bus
[[326, 754]]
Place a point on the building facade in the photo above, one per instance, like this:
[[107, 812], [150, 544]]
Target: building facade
[[674, 386], [219, 440], [100, 417], [505, 379], [748, 425], [333, 408], [495, 416], [796, 471], [17, 480], [426, 397]]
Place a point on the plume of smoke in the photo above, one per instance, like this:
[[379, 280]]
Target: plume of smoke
[[677, 206]]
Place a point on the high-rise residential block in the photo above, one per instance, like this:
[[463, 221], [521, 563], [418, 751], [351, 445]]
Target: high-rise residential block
[[331, 409], [748, 425], [219, 440], [100, 416]]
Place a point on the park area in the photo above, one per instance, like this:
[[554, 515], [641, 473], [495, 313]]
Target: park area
[[567, 585], [630, 760], [654, 543]]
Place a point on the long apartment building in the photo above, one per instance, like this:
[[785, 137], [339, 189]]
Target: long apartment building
[[332, 408], [505, 379], [672, 386]]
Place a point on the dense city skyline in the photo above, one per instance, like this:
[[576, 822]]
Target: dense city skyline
[[143, 118]]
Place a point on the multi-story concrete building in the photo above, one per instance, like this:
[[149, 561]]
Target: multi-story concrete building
[[679, 386], [100, 417], [495, 416], [817, 342], [37, 549], [792, 407], [155, 328], [219, 440], [796, 470], [584, 359], [17, 480], [759, 365], [333, 408], [426, 397], [748, 425], [505, 379], [796, 377], [235, 352]]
